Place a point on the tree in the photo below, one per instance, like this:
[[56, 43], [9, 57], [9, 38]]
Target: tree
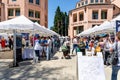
[[60, 22]]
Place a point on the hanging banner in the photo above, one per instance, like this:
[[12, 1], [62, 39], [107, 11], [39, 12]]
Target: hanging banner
[[117, 25]]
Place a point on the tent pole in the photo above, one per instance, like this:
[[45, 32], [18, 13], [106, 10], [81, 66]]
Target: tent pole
[[14, 48], [34, 58]]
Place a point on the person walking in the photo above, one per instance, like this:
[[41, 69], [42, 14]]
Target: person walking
[[107, 46], [49, 47], [37, 48], [116, 68], [10, 42], [3, 43], [82, 46], [75, 45]]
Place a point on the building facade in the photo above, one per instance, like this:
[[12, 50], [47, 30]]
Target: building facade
[[89, 13], [35, 10]]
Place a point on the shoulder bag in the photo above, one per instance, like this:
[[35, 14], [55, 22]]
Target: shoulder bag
[[113, 58]]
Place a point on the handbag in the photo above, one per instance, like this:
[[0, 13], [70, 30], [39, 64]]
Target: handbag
[[113, 58]]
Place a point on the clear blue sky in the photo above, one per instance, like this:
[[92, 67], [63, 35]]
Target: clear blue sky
[[65, 6]]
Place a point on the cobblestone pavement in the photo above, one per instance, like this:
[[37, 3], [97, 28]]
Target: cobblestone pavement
[[55, 69]]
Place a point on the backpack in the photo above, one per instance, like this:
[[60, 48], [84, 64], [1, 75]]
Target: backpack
[[82, 45]]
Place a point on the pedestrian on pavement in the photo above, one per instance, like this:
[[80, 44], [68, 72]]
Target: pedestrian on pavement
[[3, 41], [49, 46], [37, 48], [116, 68], [10, 43], [106, 49], [75, 44]]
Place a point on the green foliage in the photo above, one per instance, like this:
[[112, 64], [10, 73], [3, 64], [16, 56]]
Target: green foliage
[[60, 22]]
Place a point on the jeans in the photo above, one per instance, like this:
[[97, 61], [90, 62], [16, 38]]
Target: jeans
[[37, 54], [48, 53], [75, 48], [115, 70], [107, 53]]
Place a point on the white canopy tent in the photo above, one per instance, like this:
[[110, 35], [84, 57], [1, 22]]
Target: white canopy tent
[[107, 26], [54, 33], [84, 33], [47, 33], [88, 31], [113, 23], [20, 23], [103, 28], [93, 30]]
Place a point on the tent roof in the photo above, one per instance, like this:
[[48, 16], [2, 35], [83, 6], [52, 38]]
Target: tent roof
[[20, 22]]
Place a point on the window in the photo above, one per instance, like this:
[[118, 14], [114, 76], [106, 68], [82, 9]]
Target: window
[[74, 17], [101, 1], [37, 14], [78, 4], [82, 3], [30, 1], [86, 2], [31, 13], [95, 15], [38, 2], [13, 0], [93, 25], [17, 12], [96, 1], [104, 14], [81, 16], [92, 1], [10, 12], [113, 7], [35, 21], [80, 29]]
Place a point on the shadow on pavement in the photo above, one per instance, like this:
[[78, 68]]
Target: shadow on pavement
[[31, 72]]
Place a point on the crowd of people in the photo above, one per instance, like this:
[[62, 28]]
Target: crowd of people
[[45, 47], [105, 44], [94, 44], [6, 43]]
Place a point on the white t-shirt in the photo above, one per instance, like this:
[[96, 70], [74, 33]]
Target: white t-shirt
[[74, 41], [49, 42], [37, 45]]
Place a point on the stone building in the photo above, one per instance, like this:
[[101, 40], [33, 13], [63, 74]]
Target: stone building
[[35, 10], [89, 13]]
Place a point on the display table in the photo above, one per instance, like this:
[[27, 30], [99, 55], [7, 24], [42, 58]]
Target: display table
[[28, 53], [90, 67]]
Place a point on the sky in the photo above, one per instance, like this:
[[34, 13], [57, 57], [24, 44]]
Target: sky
[[65, 6]]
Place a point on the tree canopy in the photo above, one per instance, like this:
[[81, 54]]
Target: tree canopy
[[60, 22]]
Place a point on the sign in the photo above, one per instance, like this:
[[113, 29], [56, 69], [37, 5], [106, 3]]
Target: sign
[[25, 35], [90, 68], [117, 25]]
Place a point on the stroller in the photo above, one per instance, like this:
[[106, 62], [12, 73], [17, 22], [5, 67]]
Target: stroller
[[66, 51]]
